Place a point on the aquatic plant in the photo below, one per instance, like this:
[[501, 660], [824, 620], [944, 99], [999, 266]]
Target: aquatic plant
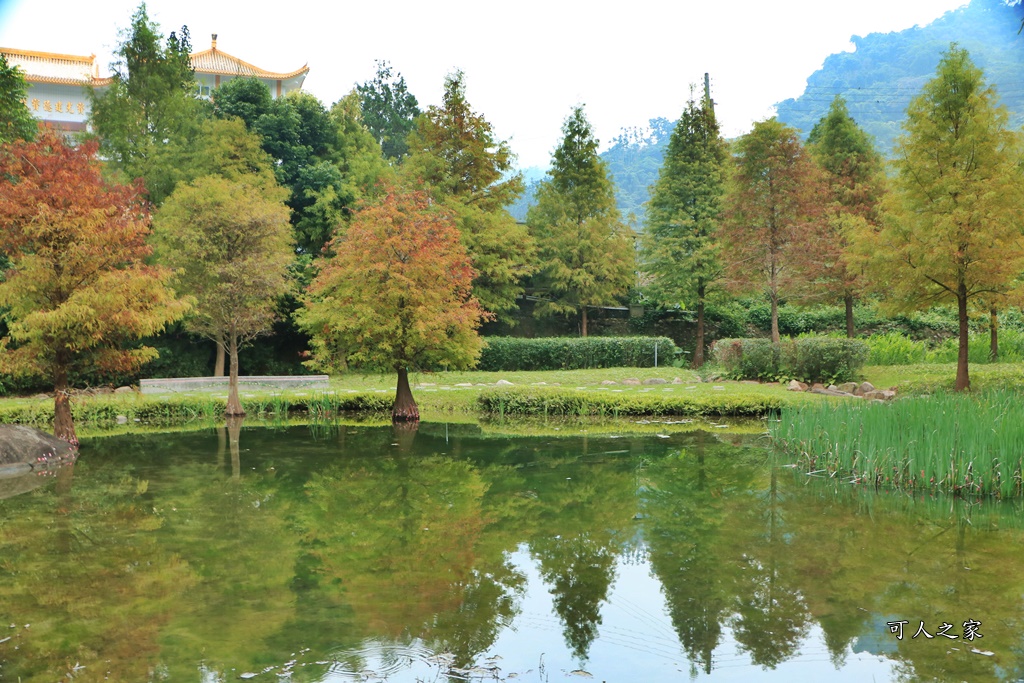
[[959, 444]]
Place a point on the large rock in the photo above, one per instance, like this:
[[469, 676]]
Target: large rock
[[29, 458], [796, 385], [20, 444], [864, 388], [655, 380], [631, 380], [848, 387]]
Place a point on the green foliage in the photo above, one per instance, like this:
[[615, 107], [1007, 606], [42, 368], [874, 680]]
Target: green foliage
[[566, 402], [572, 353], [586, 252], [808, 359], [951, 443], [893, 348], [454, 155], [16, 122], [389, 110], [150, 99]]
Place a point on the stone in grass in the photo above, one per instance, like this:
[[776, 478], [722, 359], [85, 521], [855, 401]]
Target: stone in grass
[[464, 384], [608, 382], [631, 381], [864, 388], [796, 385], [882, 395], [123, 390], [655, 380], [503, 383], [677, 380], [848, 387], [122, 419]]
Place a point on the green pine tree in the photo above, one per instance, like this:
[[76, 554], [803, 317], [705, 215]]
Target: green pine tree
[[586, 252], [680, 247]]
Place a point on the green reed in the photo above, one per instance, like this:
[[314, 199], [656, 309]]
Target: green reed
[[968, 444]]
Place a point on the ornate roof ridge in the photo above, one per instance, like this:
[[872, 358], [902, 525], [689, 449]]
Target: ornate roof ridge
[[214, 61], [86, 59]]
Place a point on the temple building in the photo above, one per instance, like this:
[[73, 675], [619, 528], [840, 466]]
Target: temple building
[[57, 82]]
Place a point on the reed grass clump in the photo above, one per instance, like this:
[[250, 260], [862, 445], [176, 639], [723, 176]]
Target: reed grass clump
[[962, 444]]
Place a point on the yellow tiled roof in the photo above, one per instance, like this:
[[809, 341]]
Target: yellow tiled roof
[[214, 61], [50, 67]]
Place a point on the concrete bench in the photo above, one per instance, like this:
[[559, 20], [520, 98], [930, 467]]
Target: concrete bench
[[258, 382]]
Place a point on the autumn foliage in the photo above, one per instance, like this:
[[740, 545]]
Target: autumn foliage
[[397, 295], [78, 288]]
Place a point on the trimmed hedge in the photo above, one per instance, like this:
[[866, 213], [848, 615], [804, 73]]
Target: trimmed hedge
[[808, 359], [574, 353], [566, 402], [105, 409]]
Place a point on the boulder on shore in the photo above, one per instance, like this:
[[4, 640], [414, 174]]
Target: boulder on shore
[[20, 444]]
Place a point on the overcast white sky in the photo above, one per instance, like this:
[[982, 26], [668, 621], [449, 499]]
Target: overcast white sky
[[527, 63]]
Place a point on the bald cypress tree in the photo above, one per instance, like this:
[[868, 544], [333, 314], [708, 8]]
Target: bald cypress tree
[[680, 248], [586, 252]]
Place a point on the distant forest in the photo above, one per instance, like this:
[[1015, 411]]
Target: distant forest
[[877, 80]]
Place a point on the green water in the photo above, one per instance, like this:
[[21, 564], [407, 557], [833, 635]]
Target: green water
[[360, 554]]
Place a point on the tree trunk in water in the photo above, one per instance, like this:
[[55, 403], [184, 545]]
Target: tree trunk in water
[[404, 408], [775, 319], [234, 408], [234, 435], [583, 328], [218, 366], [851, 332], [993, 331], [698, 352], [963, 380], [63, 424]]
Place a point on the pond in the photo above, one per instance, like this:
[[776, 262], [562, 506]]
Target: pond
[[357, 553]]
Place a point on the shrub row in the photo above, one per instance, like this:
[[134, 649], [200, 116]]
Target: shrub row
[[521, 401], [809, 359], [101, 410], [575, 353]]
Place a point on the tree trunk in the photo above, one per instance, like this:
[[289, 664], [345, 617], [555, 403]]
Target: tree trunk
[[963, 380], [698, 351], [404, 408], [775, 318], [218, 366], [583, 328], [234, 437], [234, 408], [993, 332], [851, 332], [63, 423]]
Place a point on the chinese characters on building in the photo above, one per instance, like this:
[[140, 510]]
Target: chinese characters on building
[[58, 106]]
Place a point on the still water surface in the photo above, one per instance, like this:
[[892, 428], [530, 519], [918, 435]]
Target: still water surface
[[356, 553]]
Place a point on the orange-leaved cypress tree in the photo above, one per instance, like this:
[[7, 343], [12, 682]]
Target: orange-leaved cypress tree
[[78, 287], [397, 295]]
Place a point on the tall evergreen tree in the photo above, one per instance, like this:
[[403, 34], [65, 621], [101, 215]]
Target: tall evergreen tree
[[150, 99], [389, 110], [680, 245], [953, 229], [16, 123], [454, 153], [856, 180], [585, 251]]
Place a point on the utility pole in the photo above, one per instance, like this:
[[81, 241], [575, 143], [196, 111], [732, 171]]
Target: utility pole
[[707, 87]]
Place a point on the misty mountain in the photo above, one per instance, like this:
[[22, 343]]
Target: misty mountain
[[878, 80], [886, 70]]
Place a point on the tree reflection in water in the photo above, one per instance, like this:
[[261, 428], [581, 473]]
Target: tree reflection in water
[[235, 549]]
